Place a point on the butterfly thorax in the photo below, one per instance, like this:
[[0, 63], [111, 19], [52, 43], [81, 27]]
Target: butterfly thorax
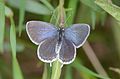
[[61, 34], [60, 38]]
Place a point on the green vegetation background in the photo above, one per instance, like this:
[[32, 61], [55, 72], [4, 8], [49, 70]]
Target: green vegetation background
[[99, 58]]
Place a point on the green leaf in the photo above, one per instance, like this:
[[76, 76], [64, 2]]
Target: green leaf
[[16, 69], [0, 76], [85, 70], [116, 2], [8, 12], [93, 19], [116, 32], [68, 73], [19, 48], [103, 18], [117, 70], [13, 37], [56, 70], [17, 74], [91, 4], [2, 24], [110, 8], [55, 17], [21, 14], [31, 6], [45, 75], [72, 4], [47, 4]]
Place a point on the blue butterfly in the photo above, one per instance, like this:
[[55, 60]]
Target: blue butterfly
[[57, 43]]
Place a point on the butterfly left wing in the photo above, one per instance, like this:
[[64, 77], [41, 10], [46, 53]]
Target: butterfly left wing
[[67, 52], [39, 31], [46, 50], [77, 34]]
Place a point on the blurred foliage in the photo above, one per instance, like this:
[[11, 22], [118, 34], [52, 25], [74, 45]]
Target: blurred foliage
[[109, 7], [2, 24], [104, 37]]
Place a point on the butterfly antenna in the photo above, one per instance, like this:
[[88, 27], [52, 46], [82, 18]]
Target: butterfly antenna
[[54, 17], [68, 18]]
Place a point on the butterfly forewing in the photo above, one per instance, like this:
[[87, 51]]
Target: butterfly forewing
[[39, 31], [77, 34], [67, 52], [46, 50]]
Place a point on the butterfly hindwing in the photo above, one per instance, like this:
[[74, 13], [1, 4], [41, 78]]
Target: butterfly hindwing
[[77, 34], [39, 31], [67, 52], [46, 50]]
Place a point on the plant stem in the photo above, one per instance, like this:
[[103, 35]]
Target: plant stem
[[2, 25], [61, 13], [56, 70], [45, 72], [94, 60]]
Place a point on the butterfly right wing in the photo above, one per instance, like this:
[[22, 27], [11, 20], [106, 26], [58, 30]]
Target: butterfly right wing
[[77, 34], [67, 52], [39, 31]]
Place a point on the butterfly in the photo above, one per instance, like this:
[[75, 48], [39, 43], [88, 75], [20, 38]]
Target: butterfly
[[57, 42]]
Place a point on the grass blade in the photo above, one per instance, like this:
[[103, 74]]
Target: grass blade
[[47, 4], [117, 70], [103, 18], [83, 69], [2, 24], [13, 37], [68, 73], [72, 4], [16, 69], [91, 4], [31, 6], [93, 19], [8, 12], [17, 74], [110, 8], [116, 32], [93, 59], [21, 15], [56, 70], [45, 75]]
